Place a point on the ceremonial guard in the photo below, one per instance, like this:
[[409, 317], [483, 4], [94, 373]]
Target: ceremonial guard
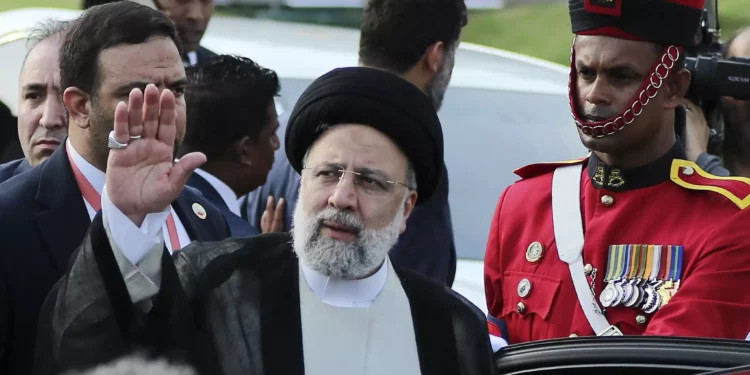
[[632, 239]]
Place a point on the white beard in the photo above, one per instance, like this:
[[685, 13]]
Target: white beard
[[342, 260]]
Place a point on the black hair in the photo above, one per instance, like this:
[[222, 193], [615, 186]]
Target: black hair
[[102, 27], [227, 99], [396, 33]]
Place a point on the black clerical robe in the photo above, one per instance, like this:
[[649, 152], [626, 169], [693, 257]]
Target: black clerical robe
[[230, 307]]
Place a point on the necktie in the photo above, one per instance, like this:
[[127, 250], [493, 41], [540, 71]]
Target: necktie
[[95, 200]]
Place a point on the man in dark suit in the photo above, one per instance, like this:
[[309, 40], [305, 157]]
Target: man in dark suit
[[42, 121], [231, 118], [13, 168], [45, 213], [191, 18]]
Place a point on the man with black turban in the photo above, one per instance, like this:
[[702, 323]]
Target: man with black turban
[[323, 300]]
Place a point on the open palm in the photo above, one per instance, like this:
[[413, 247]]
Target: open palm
[[142, 177]]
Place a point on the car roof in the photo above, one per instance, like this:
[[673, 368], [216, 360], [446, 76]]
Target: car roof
[[282, 45]]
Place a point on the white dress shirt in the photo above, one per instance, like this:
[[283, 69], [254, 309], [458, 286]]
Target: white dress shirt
[[97, 180], [192, 59], [368, 340], [94, 176], [346, 293], [226, 193]]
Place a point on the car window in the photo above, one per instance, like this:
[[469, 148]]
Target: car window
[[488, 134]]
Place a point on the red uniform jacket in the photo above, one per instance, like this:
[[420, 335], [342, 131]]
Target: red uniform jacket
[[669, 202]]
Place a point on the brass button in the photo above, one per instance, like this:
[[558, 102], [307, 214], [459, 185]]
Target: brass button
[[524, 288], [534, 252], [521, 308], [688, 171], [607, 200], [640, 319], [588, 269], [573, 335]]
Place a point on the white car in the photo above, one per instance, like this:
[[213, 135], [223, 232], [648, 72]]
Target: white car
[[502, 110]]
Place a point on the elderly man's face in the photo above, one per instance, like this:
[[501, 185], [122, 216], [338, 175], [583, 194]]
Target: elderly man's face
[[42, 121], [344, 227]]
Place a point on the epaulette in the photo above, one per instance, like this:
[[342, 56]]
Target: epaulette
[[537, 169], [690, 176]]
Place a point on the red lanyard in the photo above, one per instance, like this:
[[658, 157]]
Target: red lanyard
[[94, 199]]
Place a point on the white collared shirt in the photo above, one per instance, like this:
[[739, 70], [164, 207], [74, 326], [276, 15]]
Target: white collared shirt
[[192, 59], [346, 293], [94, 176], [226, 193], [97, 180]]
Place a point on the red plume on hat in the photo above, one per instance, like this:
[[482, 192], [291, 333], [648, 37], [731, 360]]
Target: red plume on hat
[[672, 23]]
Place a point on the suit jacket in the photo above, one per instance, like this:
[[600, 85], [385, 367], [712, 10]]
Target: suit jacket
[[230, 308], [237, 226], [204, 54], [13, 168], [43, 219]]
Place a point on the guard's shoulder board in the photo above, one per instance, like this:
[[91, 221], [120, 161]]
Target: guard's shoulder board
[[538, 169], [690, 176]]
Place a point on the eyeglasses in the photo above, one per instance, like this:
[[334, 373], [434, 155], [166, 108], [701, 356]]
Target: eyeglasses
[[370, 182]]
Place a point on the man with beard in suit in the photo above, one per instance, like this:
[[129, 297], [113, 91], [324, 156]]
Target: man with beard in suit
[[110, 54]]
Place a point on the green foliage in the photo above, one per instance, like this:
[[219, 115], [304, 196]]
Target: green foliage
[[544, 30], [14, 4]]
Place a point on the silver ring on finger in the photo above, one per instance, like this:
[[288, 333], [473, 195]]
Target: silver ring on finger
[[134, 137], [112, 142]]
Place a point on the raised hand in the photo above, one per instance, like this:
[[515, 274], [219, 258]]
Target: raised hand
[[142, 177], [273, 217]]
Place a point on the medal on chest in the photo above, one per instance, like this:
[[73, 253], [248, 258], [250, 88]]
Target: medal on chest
[[645, 277]]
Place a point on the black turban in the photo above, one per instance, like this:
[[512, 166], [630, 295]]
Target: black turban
[[374, 98]]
